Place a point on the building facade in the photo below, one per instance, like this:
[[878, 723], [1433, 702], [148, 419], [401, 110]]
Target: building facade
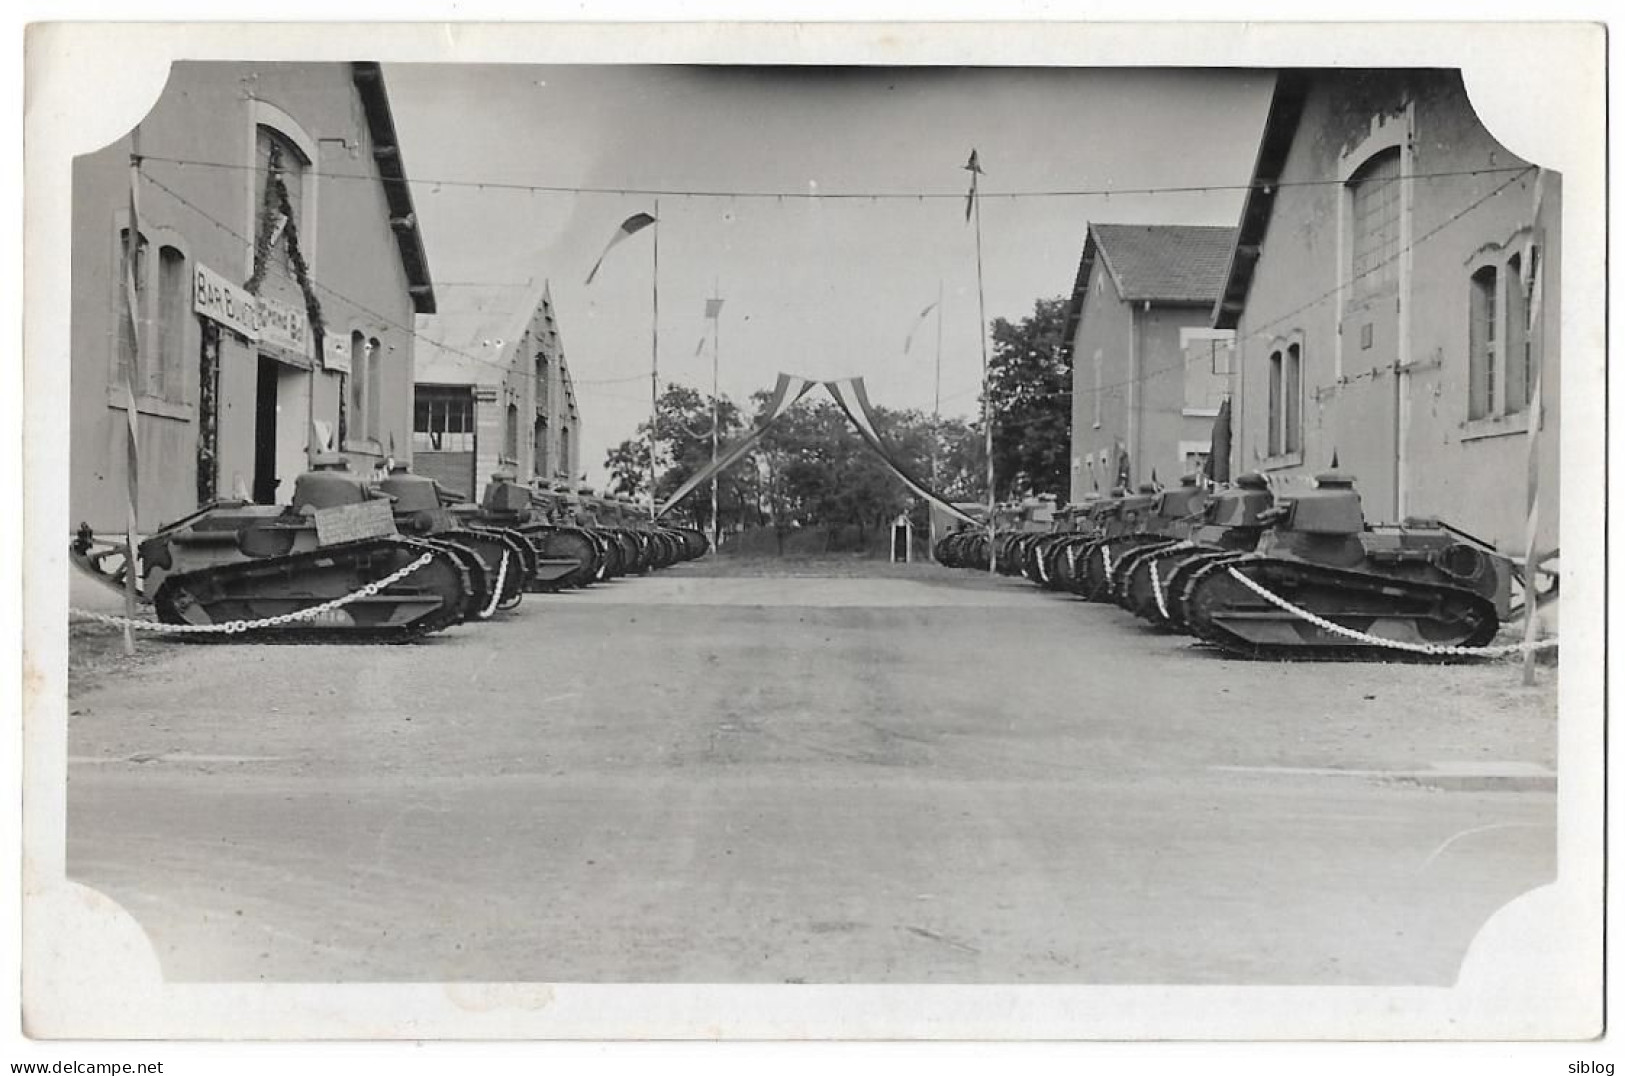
[[494, 394], [278, 272], [1149, 372], [1394, 291]]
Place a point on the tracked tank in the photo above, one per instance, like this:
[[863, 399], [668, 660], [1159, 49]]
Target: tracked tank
[[1174, 515], [1116, 523], [505, 555], [1027, 523], [237, 563], [1418, 584], [566, 556], [1232, 519], [1056, 554]]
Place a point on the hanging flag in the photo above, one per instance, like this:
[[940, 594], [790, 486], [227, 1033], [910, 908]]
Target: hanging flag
[[713, 307], [975, 169], [786, 394], [918, 321], [1216, 469], [853, 399], [629, 227]]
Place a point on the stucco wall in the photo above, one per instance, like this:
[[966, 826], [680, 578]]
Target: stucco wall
[[207, 114], [1409, 441], [1142, 365], [1104, 330]]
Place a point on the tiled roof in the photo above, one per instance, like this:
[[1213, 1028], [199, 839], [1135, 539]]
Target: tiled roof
[[1169, 263]]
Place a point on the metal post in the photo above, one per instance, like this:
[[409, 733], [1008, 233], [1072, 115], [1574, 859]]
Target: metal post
[[987, 400], [132, 462], [716, 349], [654, 362], [936, 429]]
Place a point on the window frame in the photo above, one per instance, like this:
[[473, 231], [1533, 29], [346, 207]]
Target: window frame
[[1502, 415], [262, 113], [1284, 410], [175, 396]]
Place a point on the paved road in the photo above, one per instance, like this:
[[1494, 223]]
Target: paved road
[[933, 778]]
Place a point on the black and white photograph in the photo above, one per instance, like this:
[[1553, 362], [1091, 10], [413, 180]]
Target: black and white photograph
[[739, 533]]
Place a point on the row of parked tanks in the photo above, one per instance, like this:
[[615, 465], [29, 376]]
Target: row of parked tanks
[[390, 558], [1183, 558]]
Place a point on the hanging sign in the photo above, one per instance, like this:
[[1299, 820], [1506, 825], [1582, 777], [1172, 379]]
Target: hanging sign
[[216, 298], [283, 326], [265, 320], [336, 354]]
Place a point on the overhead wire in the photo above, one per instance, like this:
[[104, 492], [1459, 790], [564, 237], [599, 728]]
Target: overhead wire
[[821, 195]]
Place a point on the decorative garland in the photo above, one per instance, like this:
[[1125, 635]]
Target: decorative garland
[[277, 202], [208, 436]]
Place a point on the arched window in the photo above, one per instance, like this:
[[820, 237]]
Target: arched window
[[276, 156], [510, 435], [375, 388], [356, 390], [1482, 345], [1375, 192], [165, 373]]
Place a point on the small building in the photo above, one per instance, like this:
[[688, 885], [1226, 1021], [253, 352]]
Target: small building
[[1394, 293], [1149, 371], [494, 393], [279, 270]]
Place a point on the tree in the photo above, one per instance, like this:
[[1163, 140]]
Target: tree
[[628, 466], [683, 446], [1030, 395]]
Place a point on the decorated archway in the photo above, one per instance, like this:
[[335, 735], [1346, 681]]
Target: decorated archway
[[852, 398]]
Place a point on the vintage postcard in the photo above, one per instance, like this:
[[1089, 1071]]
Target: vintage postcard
[[751, 531]]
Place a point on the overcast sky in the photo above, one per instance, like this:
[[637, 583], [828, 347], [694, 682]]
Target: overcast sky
[[823, 288]]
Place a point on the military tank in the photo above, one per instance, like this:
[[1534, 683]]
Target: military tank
[[235, 563], [1231, 521], [1173, 517], [566, 556], [505, 554], [1417, 584], [1026, 523], [1116, 524], [1055, 556]]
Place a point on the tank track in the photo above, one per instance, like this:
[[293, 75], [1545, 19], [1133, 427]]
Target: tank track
[[1211, 587], [276, 569]]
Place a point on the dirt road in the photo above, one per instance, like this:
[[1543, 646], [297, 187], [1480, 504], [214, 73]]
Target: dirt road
[[807, 777]]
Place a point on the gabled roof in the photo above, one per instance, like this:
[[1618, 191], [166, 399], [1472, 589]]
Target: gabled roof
[[1165, 263], [1182, 264], [368, 77], [1286, 109]]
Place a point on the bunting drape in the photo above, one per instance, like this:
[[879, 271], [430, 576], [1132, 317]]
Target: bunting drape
[[853, 399], [786, 394]]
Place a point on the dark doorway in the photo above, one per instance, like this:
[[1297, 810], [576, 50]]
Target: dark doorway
[[265, 394]]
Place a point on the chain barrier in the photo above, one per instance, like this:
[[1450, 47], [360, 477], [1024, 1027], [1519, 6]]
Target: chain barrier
[[1436, 649], [1156, 589], [237, 627], [496, 592]]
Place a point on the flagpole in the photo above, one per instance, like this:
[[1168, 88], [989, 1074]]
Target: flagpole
[[716, 349], [132, 454], [654, 362], [981, 332], [936, 426], [1531, 567]]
